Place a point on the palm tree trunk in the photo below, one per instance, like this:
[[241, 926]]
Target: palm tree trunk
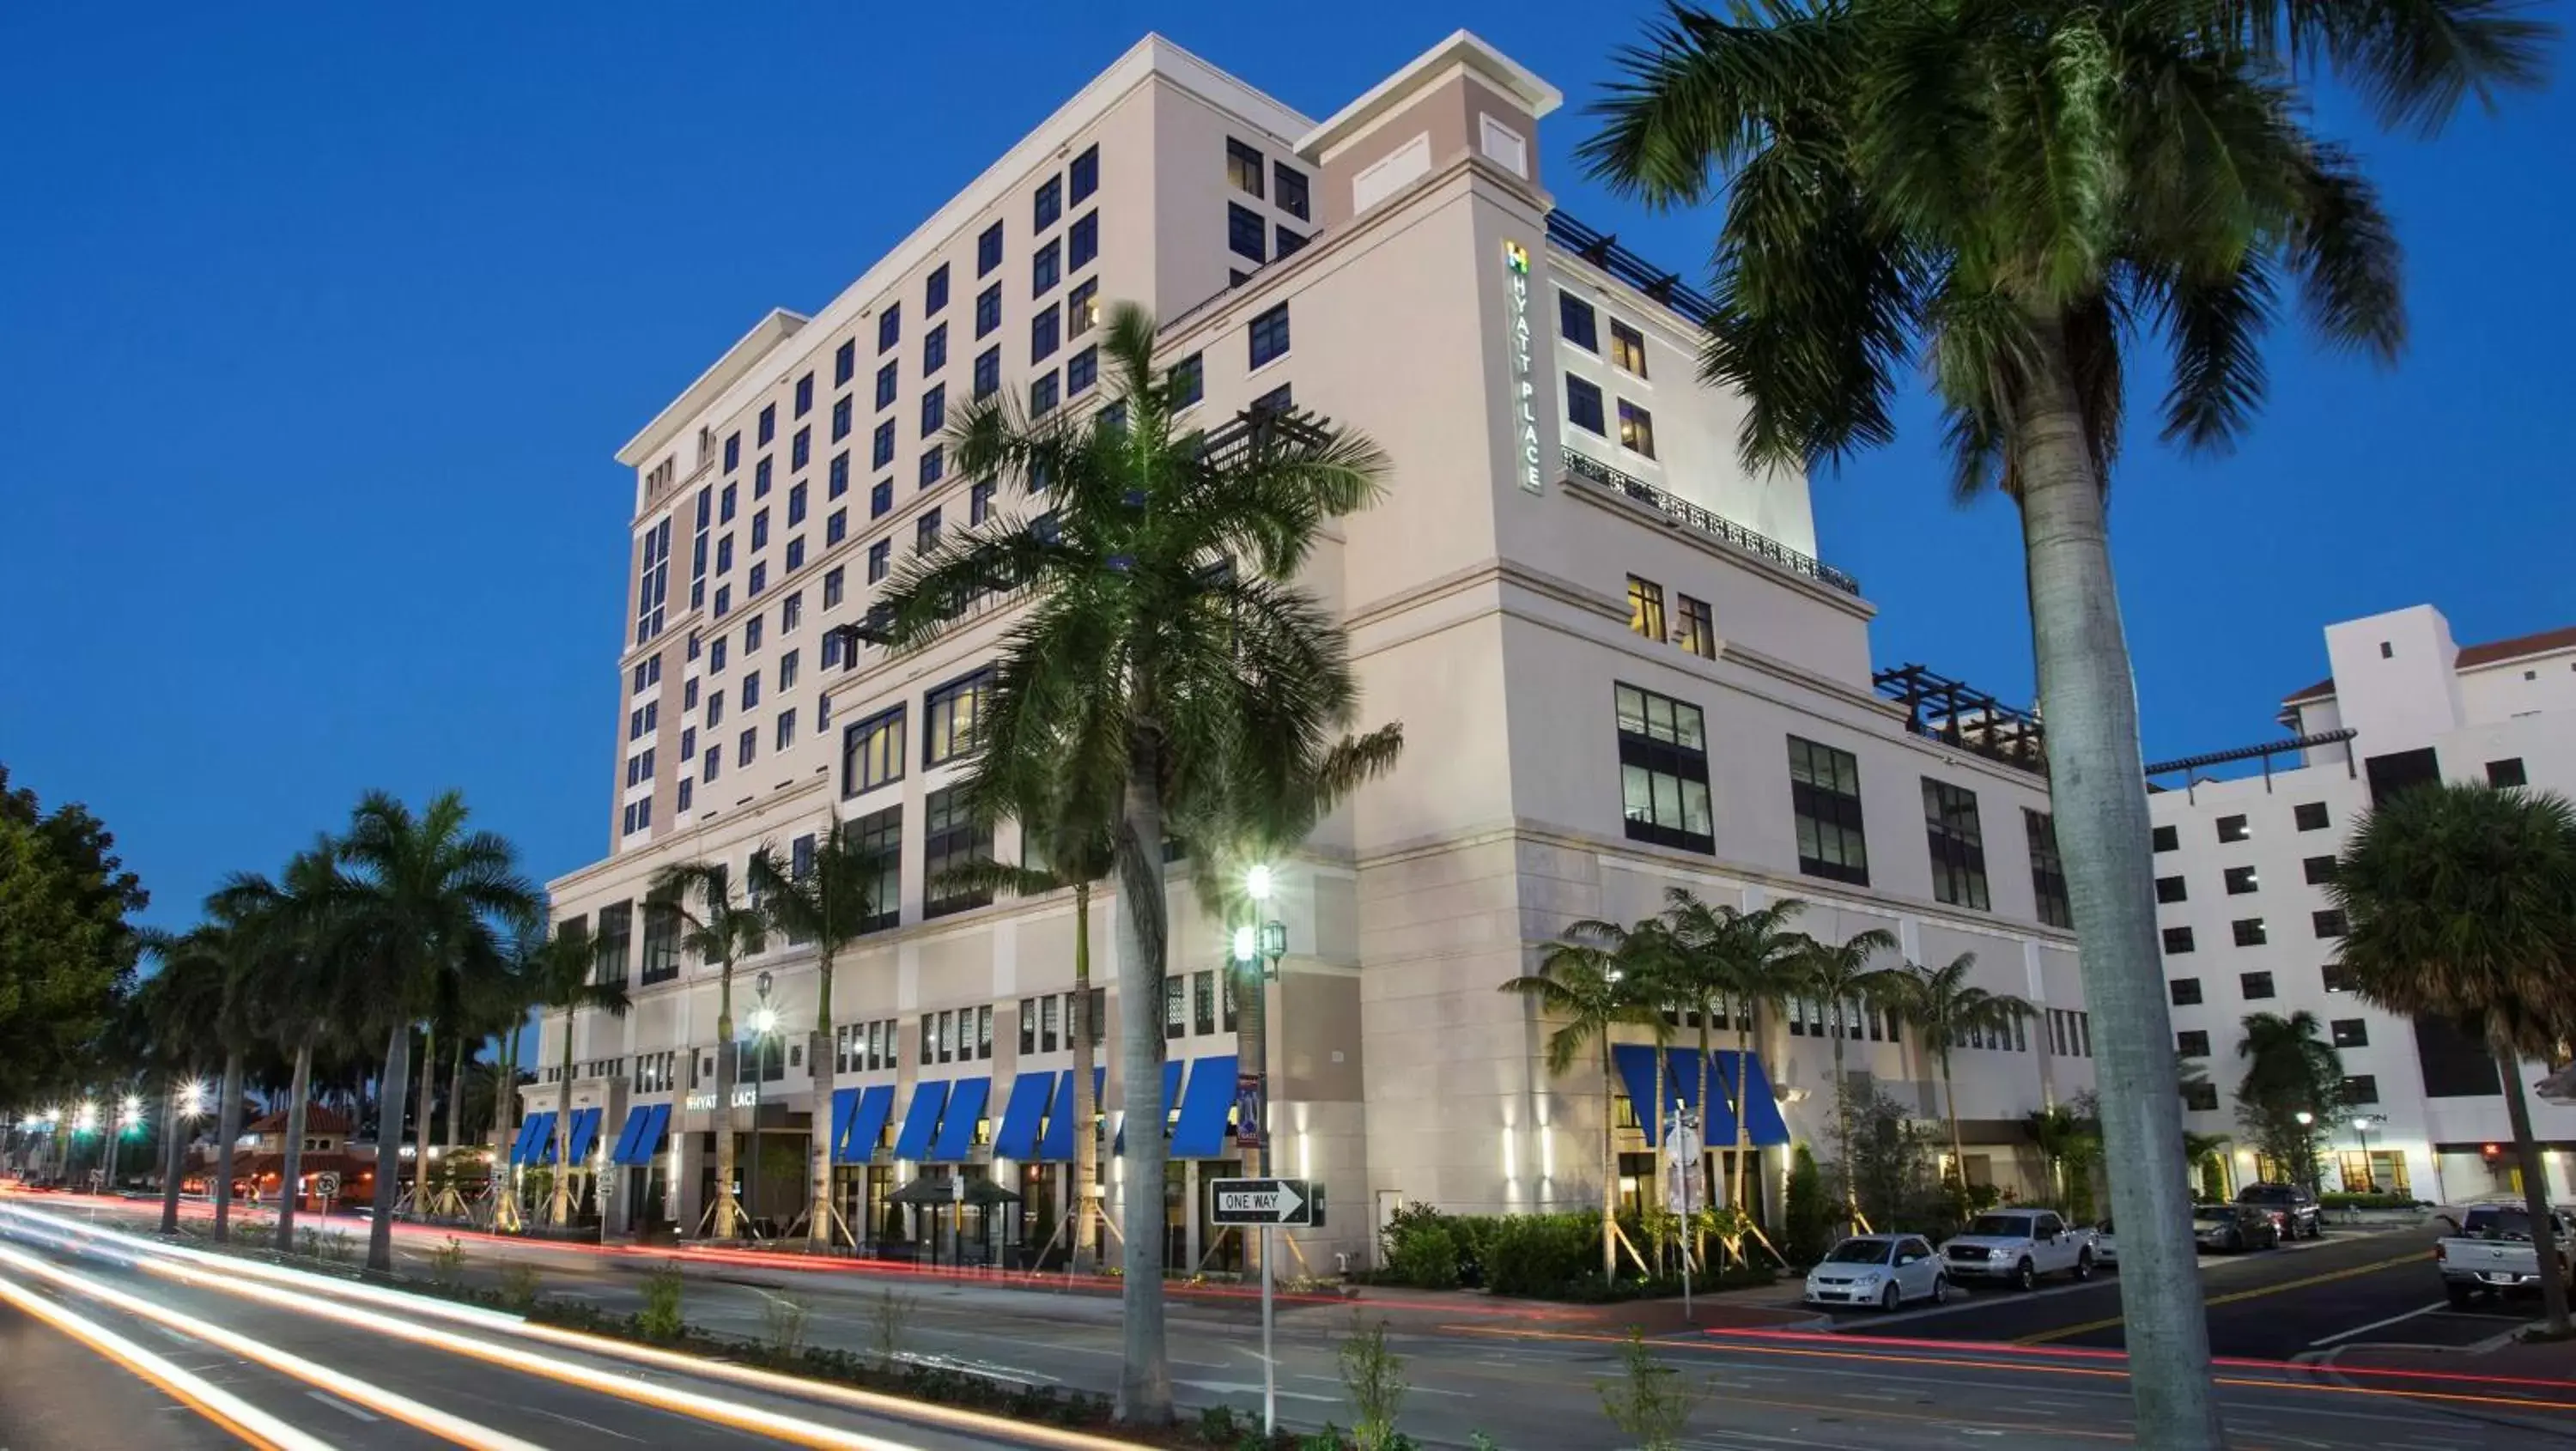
[[726, 1065], [301, 1088], [389, 1116], [1958, 1148], [2545, 1243], [1086, 1098], [228, 1127], [171, 1139], [819, 1070], [420, 1158], [505, 1105], [1609, 1166], [1701, 1168], [1145, 1375], [1743, 1115], [2088, 692], [1842, 1119], [562, 1213], [456, 1107]]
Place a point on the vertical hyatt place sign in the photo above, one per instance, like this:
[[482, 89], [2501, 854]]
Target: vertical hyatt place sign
[[1524, 389]]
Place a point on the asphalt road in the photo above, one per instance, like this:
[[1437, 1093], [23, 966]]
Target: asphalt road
[[1531, 1386]]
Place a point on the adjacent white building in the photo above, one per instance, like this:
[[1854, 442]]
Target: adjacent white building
[[2240, 872]]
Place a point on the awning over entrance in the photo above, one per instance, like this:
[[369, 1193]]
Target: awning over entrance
[[1762, 1118], [644, 1140], [856, 1142], [1636, 1065], [1171, 1103], [537, 1130], [1018, 1136], [1057, 1146], [623, 1151], [921, 1120], [1200, 1134], [585, 1132], [966, 1100]]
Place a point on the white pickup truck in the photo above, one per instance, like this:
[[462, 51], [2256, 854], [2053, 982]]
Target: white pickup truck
[[2493, 1253], [2018, 1247]]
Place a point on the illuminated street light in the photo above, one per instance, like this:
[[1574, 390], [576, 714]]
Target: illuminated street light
[[1247, 945], [1258, 882], [764, 1020], [87, 1119], [192, 1099]]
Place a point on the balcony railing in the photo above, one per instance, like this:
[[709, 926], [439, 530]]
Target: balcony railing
[[1684, 514]]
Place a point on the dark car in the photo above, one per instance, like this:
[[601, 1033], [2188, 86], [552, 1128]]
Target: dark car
[[2293, 1209], [2231, 1228]]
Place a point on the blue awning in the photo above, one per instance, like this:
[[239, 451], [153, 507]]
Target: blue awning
[[845, 1102], [541, 1146], [858, 1142], [1636, 1064], [1018, 1136], [1200, 1133], [1762, 1116], [1171, 1102], [524, 1148], [585, 1130], [1057, 1146], [636, 1118], [957, 1129], [648, 1141], [921, 1120]]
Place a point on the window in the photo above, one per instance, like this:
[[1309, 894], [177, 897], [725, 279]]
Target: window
[[2047, 870], [934, 291], [881, 445], [1045, 269], [2249, 931], [951, 838], [1289, 242], [1082, 242], [2361, 1088], [2172, 889], [1188, 382], [837, 527], [2328, 921], [2185, 991], [1636, 429], [872, 753], [1288, 191], [925, 532], [786, 730], [988, 309], [1049, 204], [1042, 334], [2506, 773], [732, 454], [949, 716], [1203, 1002], [880, 560], [1081, 371], [1646, 607], [2200, 1097], [747, 746], [1083, 176], [840, 475], [1243, 167], [1958, 848], [751, 690], [835, 587], [880, 845], [760, 475], [1663, 770], [1082, 308], [2168, 838], [889, 383], [979, 501], [2319, 870], [2351, 1033], [988, 373], [2233, 828], [880, 498], [714, 763], [1824, 795], [795, 504], [934, 464], [1699, 631], [2240, 881], [1583, 405], [787, 671], [890, 326], [2309, 815], [2254, 985], [934, 409], [768, 426], [2177, 941], [1269, 335], [760, 529], [2192, 1042], [1577, 323], [1627, 348], [2336, 977], [988, 250], [804, 395], [1246, 234], [1042, 394], [934, 350]]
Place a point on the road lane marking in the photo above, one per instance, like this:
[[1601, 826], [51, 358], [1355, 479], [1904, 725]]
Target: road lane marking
[[2068, 1332], [2375, 1325], [357, 1413], [231, 1412], [578, 1421]]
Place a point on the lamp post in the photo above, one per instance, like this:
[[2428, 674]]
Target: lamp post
[[2307, 1147], [763, 1022]]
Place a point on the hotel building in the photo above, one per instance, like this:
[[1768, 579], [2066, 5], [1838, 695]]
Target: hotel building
[[1620, 666], [2241, 872]]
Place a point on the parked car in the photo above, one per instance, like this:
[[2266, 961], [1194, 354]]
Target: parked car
[[2234, 1228], [2019, 1246], [2493, 1253], [2292, 1207], [1885, 1270], [2106, 1246]]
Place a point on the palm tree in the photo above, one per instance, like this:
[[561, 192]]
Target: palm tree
[[1746, 962], [724, 930], [2290, 1070], [1583, 980], [180, 1007], [1166, 649], [1945, 1007], [2460, 903], [2008, 191], [1840, 976], [564, 978], [282, 932], [424, 897], [829, 904]]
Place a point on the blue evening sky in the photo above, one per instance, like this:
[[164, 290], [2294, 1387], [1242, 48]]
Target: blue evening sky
[[318, 325]]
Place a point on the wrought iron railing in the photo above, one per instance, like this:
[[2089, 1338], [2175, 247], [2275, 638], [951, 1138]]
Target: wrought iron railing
[[1602, 250], [1686, 515]]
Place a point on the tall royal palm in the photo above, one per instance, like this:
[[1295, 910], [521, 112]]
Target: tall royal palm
[[1839, 975], [723, 929], [2460, 904], [180, 1006], [827, 901], [2011, 192], [564, 977], [1166, 646], [425, 896], [283, 930], [1743, 963], [1947, 1010]]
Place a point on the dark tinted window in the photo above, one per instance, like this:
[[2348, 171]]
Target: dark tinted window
[[2506, 772], [2310, 815]]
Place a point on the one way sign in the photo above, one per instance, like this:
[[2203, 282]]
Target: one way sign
[[1264, 1201]]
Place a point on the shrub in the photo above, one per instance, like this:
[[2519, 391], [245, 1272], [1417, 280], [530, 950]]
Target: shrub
[[783, 1323], [1423, 1255], [1809, 1217], [1542, 1254], [447, 1265], [660, 1317], [518, 1285], [1374, 1377]]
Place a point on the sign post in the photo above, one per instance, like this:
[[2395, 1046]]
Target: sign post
[[1267, 1204], [1682, 1190]]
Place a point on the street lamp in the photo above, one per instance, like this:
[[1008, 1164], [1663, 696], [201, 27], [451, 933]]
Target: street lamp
[[2307, 1146], [2362, 1123], [1252, 944], [763, 1021]]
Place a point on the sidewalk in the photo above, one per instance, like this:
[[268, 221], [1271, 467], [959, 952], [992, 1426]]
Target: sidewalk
[[2551, 1366]]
